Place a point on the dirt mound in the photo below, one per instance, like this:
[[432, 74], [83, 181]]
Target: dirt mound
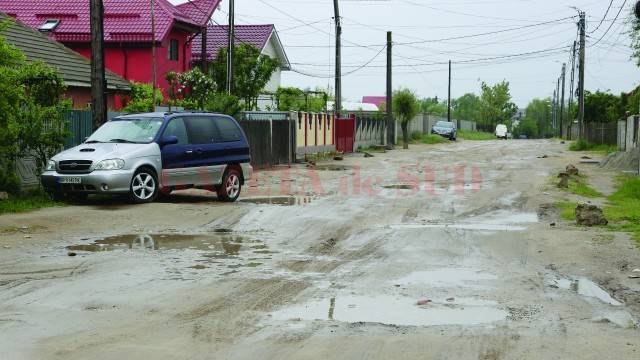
[[620, 161]]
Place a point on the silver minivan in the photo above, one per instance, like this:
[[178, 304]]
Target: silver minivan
[[141, 155]]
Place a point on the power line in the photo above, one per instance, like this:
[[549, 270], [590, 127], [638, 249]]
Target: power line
[[604, 17], [613, 22]]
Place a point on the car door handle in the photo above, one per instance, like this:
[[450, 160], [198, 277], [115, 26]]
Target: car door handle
[[189, 151]]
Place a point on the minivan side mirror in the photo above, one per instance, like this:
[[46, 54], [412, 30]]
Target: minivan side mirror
[[169, 140]]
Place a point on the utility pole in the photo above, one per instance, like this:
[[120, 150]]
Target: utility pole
[[553, 114], [449, 98], [230, 49], [564, 66], [573, 78], [581, 26], [555, 118], [338, 84], [98, 81], [389, 106]]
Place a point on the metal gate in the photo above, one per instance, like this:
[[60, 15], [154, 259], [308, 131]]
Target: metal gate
[[345, 134]]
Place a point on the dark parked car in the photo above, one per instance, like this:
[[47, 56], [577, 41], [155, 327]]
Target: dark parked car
[[446, 129], [522, 137], [141, 155]]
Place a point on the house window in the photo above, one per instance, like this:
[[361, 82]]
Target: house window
[[49, 25], [172, 53]]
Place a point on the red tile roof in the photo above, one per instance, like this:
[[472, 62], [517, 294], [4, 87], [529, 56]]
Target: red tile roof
[[199, 10], [218, 36], [124, 20]]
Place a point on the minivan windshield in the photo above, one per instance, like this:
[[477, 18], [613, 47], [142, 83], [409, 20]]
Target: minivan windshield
[[130, 130]]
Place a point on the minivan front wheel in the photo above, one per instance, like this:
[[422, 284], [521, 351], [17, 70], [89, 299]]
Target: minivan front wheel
[[144, 186], [230, 188]]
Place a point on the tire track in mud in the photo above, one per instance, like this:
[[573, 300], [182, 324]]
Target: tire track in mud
[[235, 314]]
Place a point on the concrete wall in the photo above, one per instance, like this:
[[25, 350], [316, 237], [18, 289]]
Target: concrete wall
[[369, 132]]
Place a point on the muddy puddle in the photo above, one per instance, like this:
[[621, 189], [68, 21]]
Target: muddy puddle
[[585, 287], [395, 310], [279, 200], [494, 222], [219, 245], [440, 308]]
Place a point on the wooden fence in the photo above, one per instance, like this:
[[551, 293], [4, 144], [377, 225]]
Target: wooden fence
[[601, 133]]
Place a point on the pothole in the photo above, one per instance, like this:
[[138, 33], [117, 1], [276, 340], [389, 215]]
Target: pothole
[[585, 287], [218, 245], [395, 310]]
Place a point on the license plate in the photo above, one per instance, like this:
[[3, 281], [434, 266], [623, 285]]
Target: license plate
[[69, 180]]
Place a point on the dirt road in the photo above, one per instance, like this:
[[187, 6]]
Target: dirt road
[[448, 251]]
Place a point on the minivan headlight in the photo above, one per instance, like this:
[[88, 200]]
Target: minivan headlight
[[51, 165], [110, 164]]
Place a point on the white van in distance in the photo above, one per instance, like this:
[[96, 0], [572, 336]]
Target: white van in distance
[[501, 131]]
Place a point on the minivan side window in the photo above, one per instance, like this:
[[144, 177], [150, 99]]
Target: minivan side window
[[177, 128], [202, 130], [229, 131]]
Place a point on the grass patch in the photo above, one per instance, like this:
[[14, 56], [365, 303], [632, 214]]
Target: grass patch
[[29, 200], [587, 146], [623, 209], [578, 186], [567, 210], [475, 135], [433, 139]]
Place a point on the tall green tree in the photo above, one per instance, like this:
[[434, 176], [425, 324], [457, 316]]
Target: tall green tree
[[252, 71], [527, 127], [405, 106], [539, 111], [495, 105], [465, 107]]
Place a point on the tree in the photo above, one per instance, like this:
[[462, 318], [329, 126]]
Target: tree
[[495, 105], [465, 107], [406, 106], [198, 91], [252, 71], [634, 33], [539, 112], [43, 128], [31, 112], [601, 107], [527, 127], [433, 106], [290, 98], [11, 97], [140, 99]]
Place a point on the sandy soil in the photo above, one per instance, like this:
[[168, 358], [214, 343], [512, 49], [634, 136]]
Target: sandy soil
[[450, 251]]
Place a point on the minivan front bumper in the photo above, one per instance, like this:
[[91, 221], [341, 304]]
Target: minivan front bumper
[[96, 182]]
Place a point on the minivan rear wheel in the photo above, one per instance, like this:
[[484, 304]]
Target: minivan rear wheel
[[230, 188], [144, 186]]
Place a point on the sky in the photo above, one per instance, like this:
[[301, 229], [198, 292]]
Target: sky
[[523, 42]]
